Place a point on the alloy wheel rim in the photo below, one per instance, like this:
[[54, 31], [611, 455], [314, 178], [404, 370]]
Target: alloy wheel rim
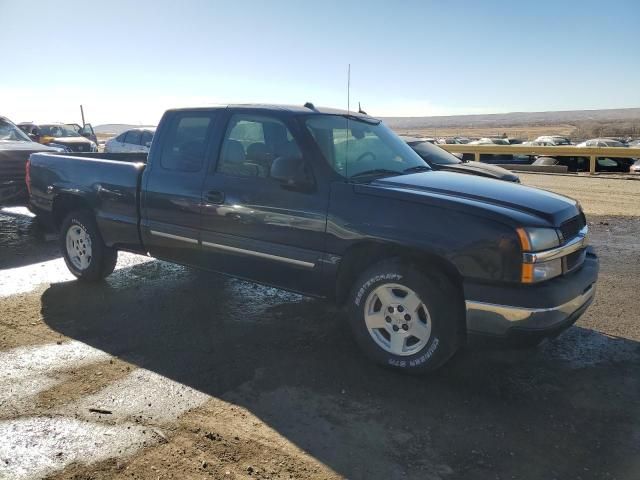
[[79, 247], [397, 319]]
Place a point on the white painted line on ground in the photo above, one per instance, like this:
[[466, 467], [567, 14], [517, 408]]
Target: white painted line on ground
[[27, 371], [32, 447], [18, 280], [142, 393]]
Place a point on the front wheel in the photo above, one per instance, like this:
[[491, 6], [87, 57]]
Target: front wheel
[[86, 255], [405, 318]]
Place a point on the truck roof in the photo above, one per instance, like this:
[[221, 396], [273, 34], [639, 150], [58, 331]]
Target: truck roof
[[307, 109]]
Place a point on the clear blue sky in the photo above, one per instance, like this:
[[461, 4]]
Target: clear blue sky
[[128, 61]]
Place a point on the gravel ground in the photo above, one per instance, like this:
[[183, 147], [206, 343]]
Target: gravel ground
[[166, 372]]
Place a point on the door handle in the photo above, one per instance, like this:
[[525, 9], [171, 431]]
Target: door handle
[[214, 196]]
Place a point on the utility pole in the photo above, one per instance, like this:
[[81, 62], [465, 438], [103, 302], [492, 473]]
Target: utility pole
[[82, 113]]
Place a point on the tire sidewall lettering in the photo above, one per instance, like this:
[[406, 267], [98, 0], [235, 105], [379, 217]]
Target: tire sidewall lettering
[[419, 360], [365, 286], [75, 221]]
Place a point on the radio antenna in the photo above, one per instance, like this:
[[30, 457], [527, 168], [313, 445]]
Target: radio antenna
[[348, 88], [346, 157]]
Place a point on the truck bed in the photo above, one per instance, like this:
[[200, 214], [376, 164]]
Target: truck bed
[[106, 183]]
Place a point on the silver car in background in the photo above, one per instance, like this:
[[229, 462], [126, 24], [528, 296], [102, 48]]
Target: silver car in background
[[129, 141]]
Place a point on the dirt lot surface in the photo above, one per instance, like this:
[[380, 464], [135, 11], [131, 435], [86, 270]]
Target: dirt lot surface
[[165, 372], [598, 194]]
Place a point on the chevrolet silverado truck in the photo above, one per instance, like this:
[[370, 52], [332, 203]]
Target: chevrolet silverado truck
[[331, 204]]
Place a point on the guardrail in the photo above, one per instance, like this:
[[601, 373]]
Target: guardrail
[[593, 153]]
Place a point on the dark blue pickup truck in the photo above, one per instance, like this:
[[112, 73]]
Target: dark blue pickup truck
[[332, 204]]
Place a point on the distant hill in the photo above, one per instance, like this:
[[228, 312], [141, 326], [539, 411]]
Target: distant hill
[[516, 118], [115, 128]]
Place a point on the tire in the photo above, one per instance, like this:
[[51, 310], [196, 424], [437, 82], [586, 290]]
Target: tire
[[84, 252], [405, 318]]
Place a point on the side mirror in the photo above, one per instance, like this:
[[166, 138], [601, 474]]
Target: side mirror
[[148, 144], [292, 173]]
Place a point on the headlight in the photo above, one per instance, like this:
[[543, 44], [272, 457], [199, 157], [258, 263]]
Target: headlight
[[537, 272], [538, 239], [93, 147]]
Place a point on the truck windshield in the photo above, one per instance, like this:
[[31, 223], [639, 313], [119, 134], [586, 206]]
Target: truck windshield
[[57, 131], [356, 148], [10, 133]]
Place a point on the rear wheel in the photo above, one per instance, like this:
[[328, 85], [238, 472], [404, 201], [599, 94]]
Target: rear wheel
[[85, 254], [405, 318]]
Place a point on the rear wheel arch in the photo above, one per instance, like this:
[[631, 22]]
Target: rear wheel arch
[[83, 249], [66, 203]]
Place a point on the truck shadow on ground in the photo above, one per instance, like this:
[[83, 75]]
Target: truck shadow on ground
[[291, 362]]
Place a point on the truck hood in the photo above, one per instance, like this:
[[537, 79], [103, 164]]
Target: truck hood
[[481, 169], [551, 207]]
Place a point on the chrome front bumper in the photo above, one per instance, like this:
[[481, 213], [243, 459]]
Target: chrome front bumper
[[499, 320]]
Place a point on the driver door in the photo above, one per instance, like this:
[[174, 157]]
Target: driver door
[[252, 225]]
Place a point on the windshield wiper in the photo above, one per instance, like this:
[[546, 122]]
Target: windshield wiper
[[376, 172], [417, 168]]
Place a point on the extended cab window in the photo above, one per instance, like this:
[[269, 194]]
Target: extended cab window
[[356, 147], [252, 143], [186, 142]]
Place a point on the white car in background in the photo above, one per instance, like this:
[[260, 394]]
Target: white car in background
[[551, 141], [131, 141], [601, 142]]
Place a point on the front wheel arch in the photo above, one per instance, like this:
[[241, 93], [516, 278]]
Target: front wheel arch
[[363, 255]]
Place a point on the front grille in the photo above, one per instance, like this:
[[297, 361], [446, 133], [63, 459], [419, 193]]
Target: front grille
[[79, 148], [570, 228], [574, 260]]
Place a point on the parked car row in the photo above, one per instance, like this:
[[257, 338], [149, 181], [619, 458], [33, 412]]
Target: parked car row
[[573, 164]]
